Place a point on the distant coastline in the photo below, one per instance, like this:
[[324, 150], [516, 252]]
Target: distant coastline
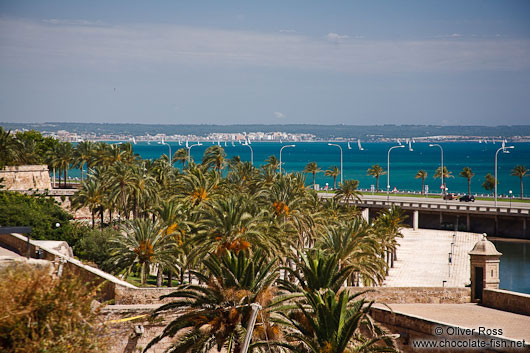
[[277, 132]]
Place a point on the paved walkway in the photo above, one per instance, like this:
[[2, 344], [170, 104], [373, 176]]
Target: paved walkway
[[470, 316], [423, 259]]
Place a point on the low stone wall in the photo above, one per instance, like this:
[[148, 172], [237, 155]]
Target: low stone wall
[[106, 282], [411, 328], [418, 295], [514, 302], [125, 295], [26, 177], [127, 336]]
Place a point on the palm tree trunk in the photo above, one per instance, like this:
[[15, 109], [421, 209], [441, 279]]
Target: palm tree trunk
[[101, 214], [334, 182], [93, 219], [314, 174], [422, 186], [521, 188], [170, 278], [82, 172], [159, 276], [377, 183], [142, 274], [469, 186]]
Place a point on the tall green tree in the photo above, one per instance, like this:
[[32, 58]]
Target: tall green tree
[[64, 159], [181, 155], [313, 169], [142, 243], [376, 171], [421, 174], [348, 191], [214, 157], [520, 171], [333, 172], [468, 174], [447, 175], [83, 154], [215, 313], [489, 182]]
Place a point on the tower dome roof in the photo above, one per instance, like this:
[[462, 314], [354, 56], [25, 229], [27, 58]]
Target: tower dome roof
[[484, 247]]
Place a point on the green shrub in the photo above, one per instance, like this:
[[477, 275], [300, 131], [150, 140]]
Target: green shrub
[[94, 247], [40, 313], [47, 219]]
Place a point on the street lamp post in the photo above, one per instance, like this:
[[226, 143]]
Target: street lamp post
[[251, 153], [510, 192], [442, 165], [333, 144], [388, 170], [504, 149], [189, 150], [281, 155], [170, 156]]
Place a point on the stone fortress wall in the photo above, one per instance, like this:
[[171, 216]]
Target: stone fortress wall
[[36, 177]]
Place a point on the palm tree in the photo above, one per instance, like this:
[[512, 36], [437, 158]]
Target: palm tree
[[468, 174], [215, 314], [447, 175], [333, 172], [121, 180], [89, 195], [65, 157], [520, 171], [355, 244], [315, 270], [143, 243], [83, 153], [273, 162], [328, 321], [230, 224], [214, 156], [348, 191], [421, 174], [312, 168], [376, 171], [489, 182], [181, 156], [7, 151]]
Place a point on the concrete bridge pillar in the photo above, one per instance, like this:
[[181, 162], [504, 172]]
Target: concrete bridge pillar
[[366, 214], [415, 219]]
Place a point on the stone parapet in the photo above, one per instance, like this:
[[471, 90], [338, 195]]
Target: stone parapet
[[125, 295], [416, 295], [25, 177], [514, 302]]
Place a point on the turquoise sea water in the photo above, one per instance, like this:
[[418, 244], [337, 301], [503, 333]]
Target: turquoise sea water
[[515, 265], [515, 262], [403, 163]]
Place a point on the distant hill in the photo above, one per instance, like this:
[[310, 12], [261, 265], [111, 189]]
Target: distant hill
[[320, 131]]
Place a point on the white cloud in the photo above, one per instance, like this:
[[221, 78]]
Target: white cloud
[[335, 37], [287, 31], [279, 115], [150, 47]]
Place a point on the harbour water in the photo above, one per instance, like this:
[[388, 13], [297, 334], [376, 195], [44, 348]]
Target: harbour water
[[404, 164], [515, 265], [515, 262]]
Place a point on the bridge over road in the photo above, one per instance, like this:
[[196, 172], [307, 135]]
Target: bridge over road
[[508, 220]]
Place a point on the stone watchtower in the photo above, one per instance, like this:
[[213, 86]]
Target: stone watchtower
[[485, 261]]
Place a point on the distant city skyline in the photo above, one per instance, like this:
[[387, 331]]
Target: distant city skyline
[[274, 62]]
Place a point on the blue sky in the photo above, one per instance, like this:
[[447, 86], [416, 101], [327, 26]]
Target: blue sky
[[224, 62]]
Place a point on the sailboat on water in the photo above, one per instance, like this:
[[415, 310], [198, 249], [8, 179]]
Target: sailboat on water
[[349, 147], [359, 145]]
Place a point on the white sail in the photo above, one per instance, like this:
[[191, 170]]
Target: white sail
[[359, 144], [410, 146], [349, 147]]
